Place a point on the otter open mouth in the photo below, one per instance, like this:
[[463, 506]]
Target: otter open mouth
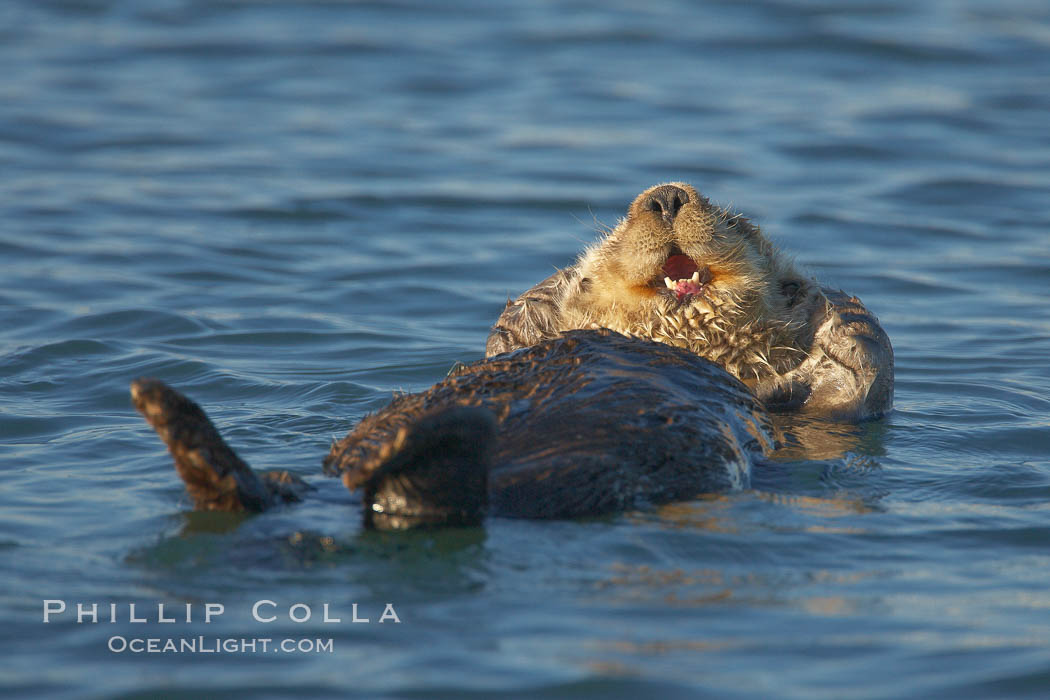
[[683, 277]]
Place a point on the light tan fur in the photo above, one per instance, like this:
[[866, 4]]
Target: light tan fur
[[742, 320], [797, 345]]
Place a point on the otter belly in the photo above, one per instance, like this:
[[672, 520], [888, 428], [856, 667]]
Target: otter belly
[[588, 423]]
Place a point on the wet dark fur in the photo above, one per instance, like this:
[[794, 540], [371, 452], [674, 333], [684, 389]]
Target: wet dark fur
[[588, 423], [216, 478]]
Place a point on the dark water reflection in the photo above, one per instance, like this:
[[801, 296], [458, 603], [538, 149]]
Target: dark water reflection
[[293, 209]]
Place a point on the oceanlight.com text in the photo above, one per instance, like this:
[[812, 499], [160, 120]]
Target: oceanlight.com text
[[218, 645]]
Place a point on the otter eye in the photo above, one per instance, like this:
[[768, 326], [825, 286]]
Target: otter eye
[[730, 223]]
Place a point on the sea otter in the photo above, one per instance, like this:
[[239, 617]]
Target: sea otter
[[681, 271], [641, 375], [587, 423]]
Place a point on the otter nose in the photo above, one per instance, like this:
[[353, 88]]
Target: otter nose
[[666, 200]]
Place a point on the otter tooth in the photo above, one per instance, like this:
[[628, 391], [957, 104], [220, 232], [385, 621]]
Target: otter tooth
[[696, 277], [669, 282]]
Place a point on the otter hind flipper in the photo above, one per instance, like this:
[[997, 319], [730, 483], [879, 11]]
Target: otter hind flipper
[[215, 477], [432, 472]]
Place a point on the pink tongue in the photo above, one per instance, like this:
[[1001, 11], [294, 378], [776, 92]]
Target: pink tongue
[[684, 287], [679, 267]]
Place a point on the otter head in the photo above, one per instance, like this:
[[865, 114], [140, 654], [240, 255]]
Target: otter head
[[681, 271]]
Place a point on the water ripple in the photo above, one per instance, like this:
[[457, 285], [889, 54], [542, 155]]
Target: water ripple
[[292, 210]]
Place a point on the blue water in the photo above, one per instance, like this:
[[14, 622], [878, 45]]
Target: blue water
[[291, 210]]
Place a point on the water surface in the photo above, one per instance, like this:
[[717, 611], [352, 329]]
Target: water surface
[[291, 210]]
